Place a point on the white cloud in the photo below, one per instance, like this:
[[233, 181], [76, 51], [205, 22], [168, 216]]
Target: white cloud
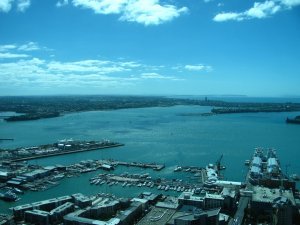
[[102, 6], [227, 16], [150, 12], [53, 74], [259, 10], [27, 71], [262, 10], [30, 46], [152, 75], [88, 66], [23, 5], [5, 5], [198, 67], [147, 12], [8, 55], [10, 51], [290, 3], [4, 48], [130, 64], [62, 3]]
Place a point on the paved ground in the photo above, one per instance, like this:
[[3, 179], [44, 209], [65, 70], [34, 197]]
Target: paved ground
[[157, 216]]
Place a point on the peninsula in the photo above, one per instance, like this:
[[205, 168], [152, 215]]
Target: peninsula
[[40, 107]]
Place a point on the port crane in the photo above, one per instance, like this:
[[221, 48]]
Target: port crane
[[218, 163]]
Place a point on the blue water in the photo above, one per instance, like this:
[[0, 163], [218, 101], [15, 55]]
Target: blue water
[[159, 134]]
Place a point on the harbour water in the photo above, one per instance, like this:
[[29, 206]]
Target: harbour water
[[165, 135]]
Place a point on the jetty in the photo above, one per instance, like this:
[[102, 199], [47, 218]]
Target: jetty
[[153, 166]]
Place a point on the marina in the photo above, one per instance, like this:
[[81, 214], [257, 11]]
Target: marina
[[145, 181], [27, 177]]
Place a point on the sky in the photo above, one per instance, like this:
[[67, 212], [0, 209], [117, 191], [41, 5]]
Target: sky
[[150, 47]]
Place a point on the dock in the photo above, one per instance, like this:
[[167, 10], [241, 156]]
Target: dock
[[144, 180]]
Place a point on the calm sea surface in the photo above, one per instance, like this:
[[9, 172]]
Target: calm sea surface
[[161, 135]]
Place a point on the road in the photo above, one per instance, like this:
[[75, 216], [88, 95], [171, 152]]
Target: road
[[239, 215]]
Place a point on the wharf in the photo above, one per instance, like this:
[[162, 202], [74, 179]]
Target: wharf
[[65, 152], [62, 147]]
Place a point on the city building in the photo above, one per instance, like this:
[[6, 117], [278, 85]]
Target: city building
[[276, 204], [212, 201], [81, 200], [37, 217], [189, 198]]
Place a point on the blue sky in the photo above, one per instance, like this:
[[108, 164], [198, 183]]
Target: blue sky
[[161, 47]]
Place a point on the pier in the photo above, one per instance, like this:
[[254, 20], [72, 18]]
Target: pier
[[153, 166]]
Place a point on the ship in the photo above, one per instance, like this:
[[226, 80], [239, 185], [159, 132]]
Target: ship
[[178, 168], [9, 196], [296, 120], [265, 170]]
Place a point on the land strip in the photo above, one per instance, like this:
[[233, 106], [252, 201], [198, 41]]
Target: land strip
[[40, 107]]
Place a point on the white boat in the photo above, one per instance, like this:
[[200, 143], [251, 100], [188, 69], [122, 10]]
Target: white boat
[[58, 176], [178, 168], [295, 177]]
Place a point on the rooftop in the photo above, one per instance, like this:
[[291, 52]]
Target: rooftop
[[191, 196], [214, 196], [267, 195]]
